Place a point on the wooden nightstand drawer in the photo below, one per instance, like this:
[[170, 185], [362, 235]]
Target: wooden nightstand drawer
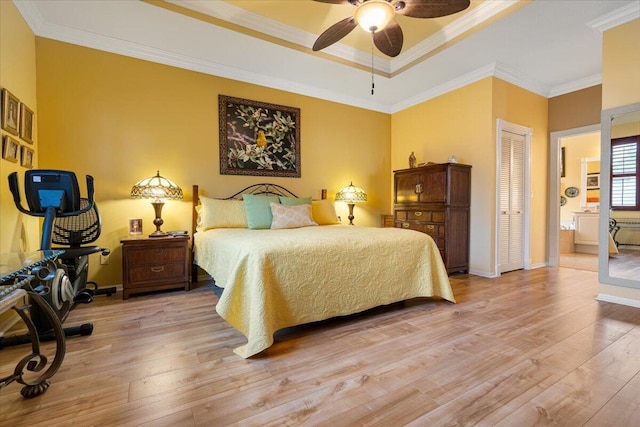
[[157, 273], [155, 256], [152, 264]]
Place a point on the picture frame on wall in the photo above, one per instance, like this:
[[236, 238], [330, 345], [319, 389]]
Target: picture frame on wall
[[593, 181], [562, 169], [10, 149], [26, 157], [10, 112], [26, 123], [258, 138]]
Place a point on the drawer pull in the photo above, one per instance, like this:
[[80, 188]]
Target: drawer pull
[[418, 189], [405, 225], [417, 213], [431, 227], [157, 269]]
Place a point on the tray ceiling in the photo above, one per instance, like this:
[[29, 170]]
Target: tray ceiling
[[547, 47]]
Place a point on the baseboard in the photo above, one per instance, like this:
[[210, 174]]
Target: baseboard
[[481, 273], [618, 300], [539, 265]]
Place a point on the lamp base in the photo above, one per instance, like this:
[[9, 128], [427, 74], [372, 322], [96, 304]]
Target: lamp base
[[351, 217], [157, 207]]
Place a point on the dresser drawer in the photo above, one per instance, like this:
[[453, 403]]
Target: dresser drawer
[[155, 255], [420, 215], [436, 231]]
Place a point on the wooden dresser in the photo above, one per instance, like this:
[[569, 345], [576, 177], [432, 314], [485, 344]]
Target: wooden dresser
[[153, 264], [435, 200]]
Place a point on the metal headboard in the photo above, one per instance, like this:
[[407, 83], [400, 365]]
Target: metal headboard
[[264, 189]]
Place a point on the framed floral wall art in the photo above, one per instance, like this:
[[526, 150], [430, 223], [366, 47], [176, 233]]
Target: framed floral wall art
[[258, 138]]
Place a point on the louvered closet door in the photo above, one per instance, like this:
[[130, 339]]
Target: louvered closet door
[[511, 202]]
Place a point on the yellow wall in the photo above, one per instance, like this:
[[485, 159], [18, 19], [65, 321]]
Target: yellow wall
[[18, 232], [463, 123], [121, 119], [621, 65], [621, 86]]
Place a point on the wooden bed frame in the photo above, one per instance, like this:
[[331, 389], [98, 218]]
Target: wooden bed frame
[[264, 188]]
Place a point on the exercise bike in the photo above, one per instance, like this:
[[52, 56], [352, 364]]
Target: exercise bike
[[71, 221]]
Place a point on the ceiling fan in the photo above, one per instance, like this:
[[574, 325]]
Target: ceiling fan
[[377, 17]]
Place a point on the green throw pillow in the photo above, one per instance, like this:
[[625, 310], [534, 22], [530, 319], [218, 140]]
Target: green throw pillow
[[258, 210]]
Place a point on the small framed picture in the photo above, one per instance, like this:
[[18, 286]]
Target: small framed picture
[[135, 226], [593, 181], [10, 149], [26, 123], [10, 112], [26, 157]]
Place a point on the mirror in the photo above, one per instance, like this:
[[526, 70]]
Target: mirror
[[624, 233]]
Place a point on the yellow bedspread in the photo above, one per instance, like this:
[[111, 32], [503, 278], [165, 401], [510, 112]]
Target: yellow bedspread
[[274, 279]]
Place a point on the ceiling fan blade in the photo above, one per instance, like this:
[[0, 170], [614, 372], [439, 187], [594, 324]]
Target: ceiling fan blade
[[335, 1], [335, 33], [430, 8], [389, 41]]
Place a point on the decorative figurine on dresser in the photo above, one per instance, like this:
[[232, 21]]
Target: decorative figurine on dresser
[[435, 199]]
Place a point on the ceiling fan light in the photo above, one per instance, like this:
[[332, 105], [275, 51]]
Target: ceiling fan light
[[374, 15]]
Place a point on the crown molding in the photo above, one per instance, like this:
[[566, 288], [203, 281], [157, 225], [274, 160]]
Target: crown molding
[[272, 28], [617, 17], [466, 22], [31, 15], [517, 78], [580, 84]]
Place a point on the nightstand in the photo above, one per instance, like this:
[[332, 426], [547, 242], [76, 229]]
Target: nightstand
[[153, 264], [387, 220]]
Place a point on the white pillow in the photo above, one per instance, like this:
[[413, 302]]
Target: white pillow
[[295, 216], [215, 213]]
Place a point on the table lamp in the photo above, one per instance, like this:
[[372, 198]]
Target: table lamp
[[156, 188], [351, 195]]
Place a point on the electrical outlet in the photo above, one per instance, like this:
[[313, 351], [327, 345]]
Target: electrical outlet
[[104, 259]]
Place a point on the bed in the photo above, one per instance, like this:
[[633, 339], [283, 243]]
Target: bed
[[277, 278]]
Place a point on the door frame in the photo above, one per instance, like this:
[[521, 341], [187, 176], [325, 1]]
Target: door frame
[[527, 133], [553, 231]]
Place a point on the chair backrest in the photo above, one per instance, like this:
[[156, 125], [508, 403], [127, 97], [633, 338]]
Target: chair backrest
[[75, 231]]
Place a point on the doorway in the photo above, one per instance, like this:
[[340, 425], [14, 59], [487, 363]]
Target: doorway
[[555, 193]]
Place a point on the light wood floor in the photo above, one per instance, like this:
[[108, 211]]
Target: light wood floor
[[625, 264], [530, 348]]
